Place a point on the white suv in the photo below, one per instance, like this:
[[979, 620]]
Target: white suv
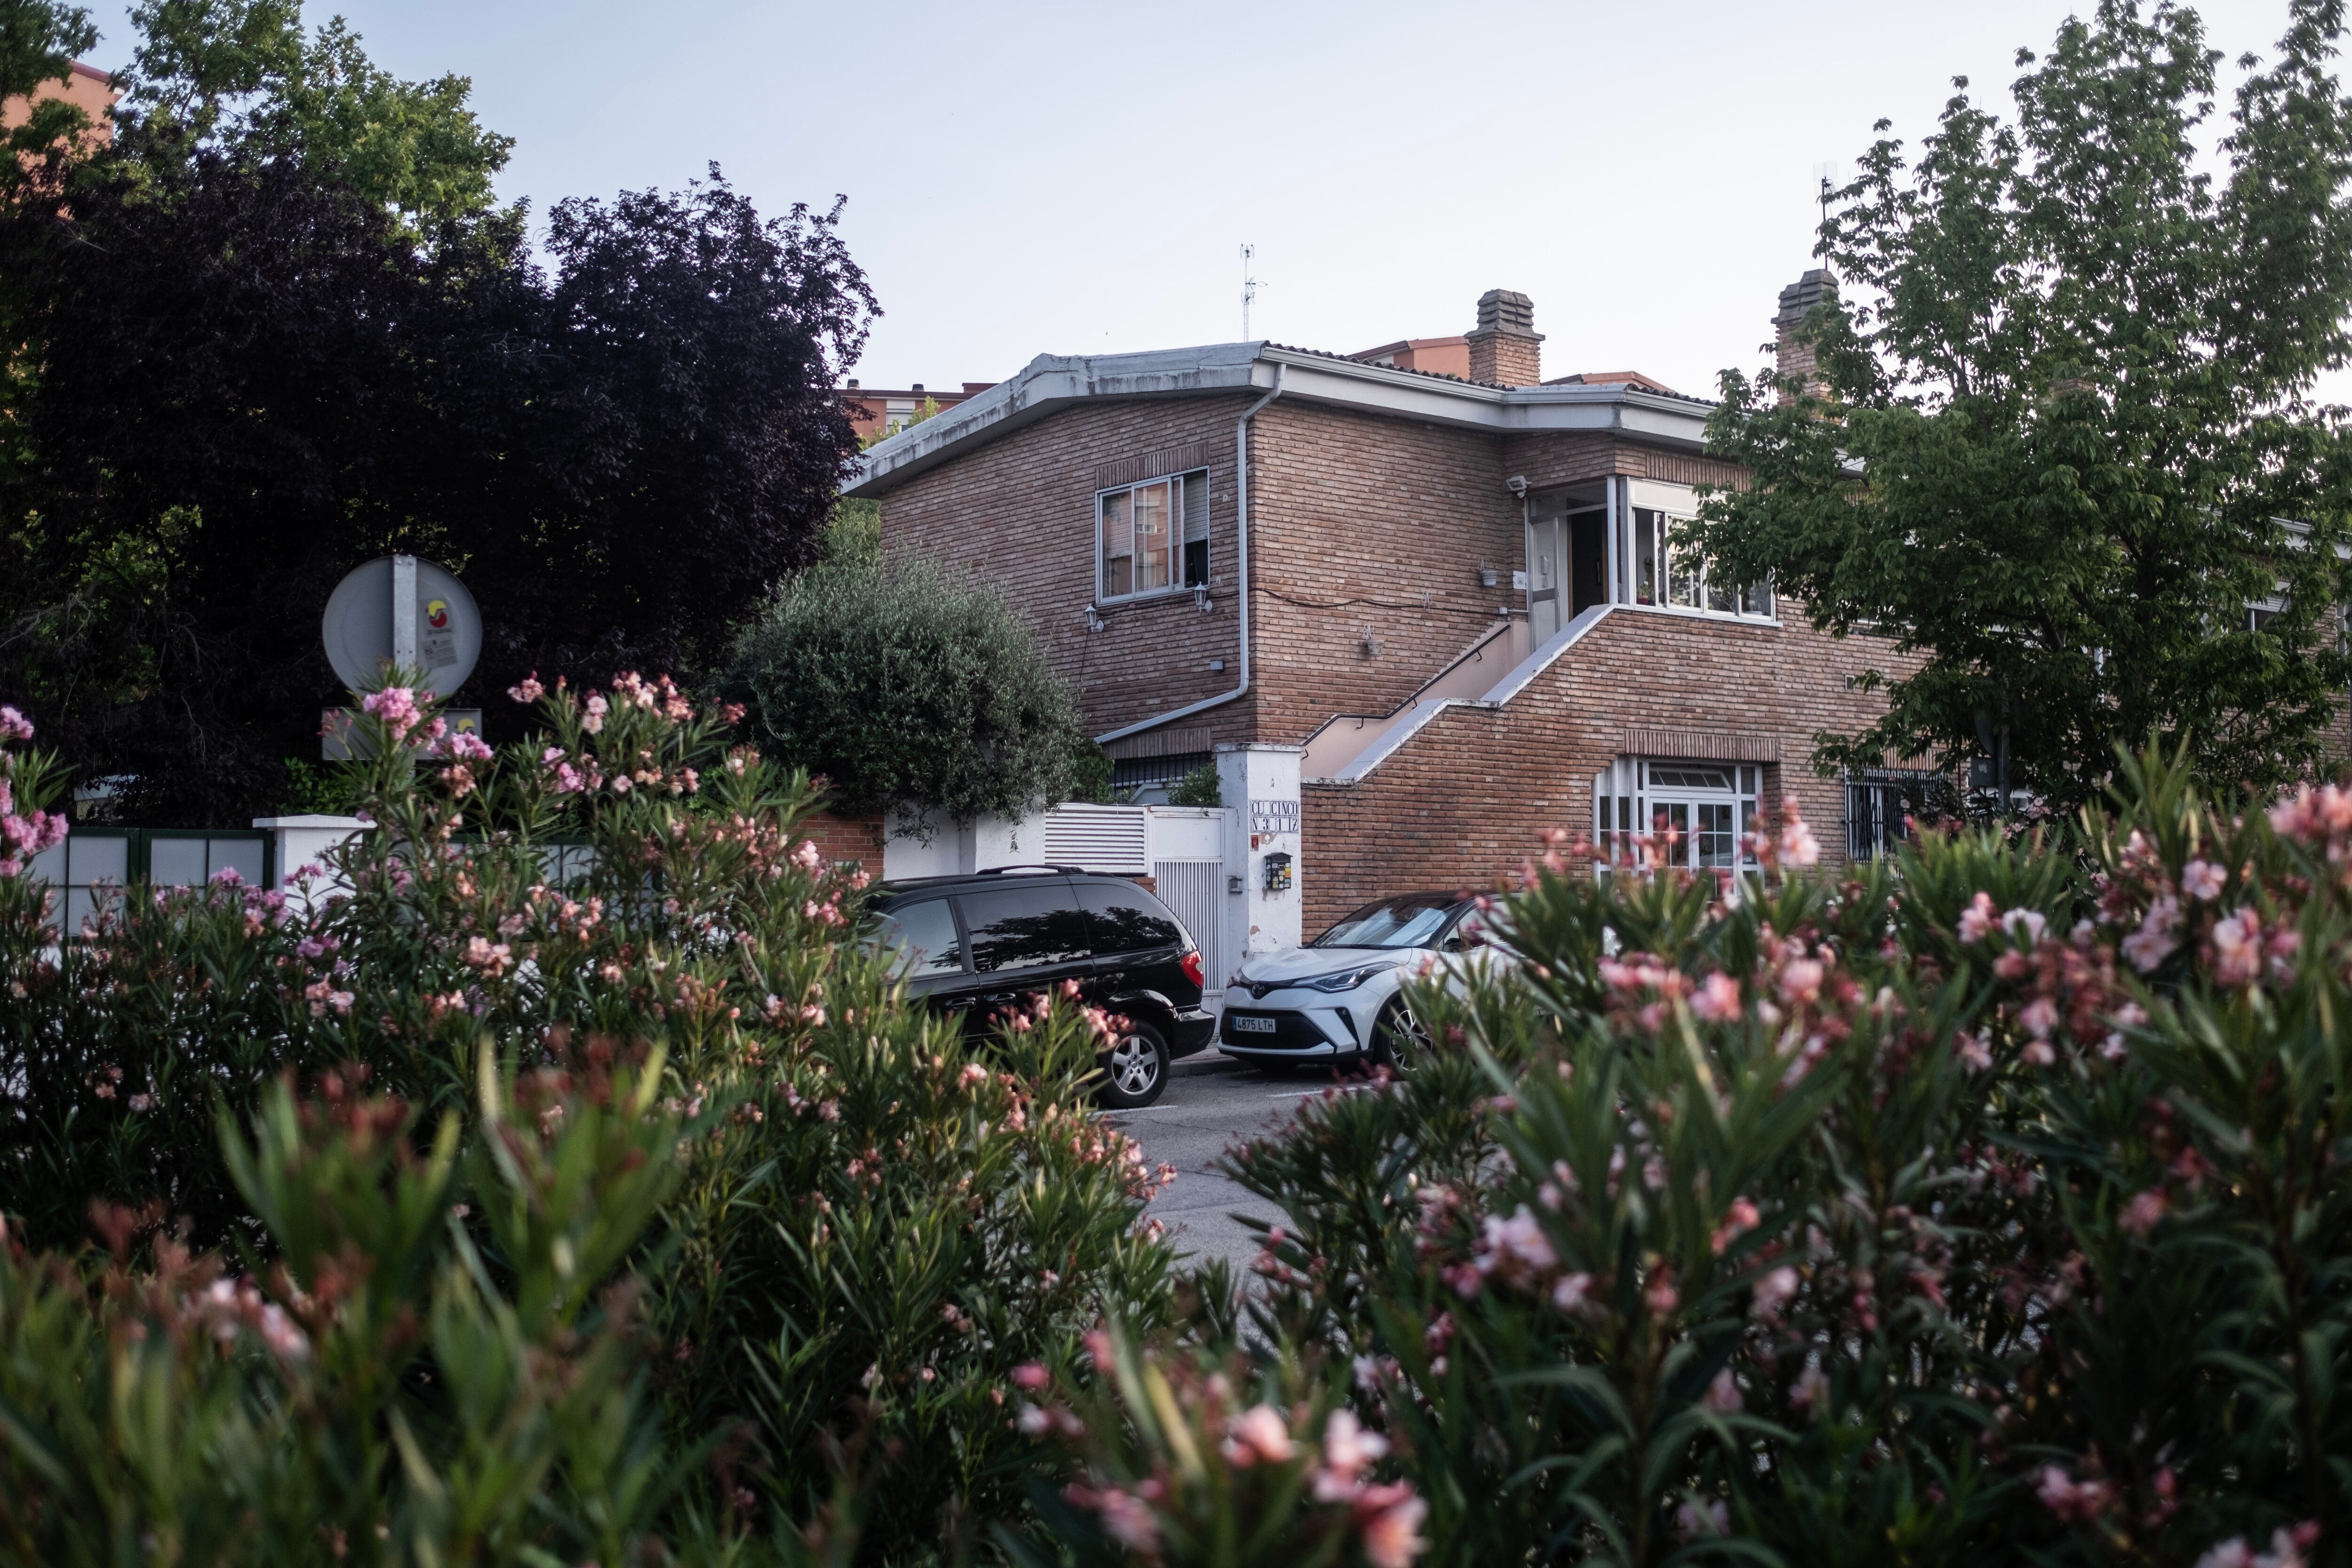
[[1341, 995]]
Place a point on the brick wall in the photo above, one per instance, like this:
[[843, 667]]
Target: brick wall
[[1364, 520], [1549, 458], [841, 838], [1470, 796], [1020, 513]]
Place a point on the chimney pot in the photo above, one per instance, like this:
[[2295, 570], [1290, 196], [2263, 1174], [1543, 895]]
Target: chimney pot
[[853, 383], [1796, 358], [918, 386], [1506, 349]]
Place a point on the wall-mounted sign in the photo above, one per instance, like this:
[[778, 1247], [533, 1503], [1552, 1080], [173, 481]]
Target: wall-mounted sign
[[1273, 817]]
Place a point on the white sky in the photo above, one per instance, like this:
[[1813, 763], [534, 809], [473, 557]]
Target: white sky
[[1032, 178]]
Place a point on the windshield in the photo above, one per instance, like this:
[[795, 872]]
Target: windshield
[[1411, 920]]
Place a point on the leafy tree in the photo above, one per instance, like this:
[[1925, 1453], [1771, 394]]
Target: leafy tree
[[221, 73], [905, 689], [2062, 407], [252, 378]]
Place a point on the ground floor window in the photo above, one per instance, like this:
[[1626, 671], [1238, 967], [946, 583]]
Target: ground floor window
[[1880, 807], [1152, 777], [1698, 814]]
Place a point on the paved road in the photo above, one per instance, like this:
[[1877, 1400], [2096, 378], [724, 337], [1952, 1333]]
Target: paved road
[[1201, 1114]]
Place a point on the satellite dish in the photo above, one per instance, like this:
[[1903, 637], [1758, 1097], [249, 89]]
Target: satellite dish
[[397, 609]]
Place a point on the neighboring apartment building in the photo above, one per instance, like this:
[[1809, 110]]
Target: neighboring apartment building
[[1455, 588], [87, 87], [875, 412]]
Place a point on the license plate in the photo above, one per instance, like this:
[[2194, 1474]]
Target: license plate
[[1253, 1025]]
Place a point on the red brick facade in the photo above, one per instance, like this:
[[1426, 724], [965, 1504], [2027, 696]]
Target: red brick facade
[[1373, 532], [1473, 793]]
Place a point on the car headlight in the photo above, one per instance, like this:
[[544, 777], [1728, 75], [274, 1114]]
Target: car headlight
[[1347, 980]]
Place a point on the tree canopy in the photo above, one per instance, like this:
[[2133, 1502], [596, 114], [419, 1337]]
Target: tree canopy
[[2062, 449], [277, 328]]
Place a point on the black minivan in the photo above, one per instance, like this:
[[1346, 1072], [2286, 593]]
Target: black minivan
[[982, 943]]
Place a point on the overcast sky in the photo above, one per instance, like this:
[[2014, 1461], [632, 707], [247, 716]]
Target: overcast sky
[[1026, 179]]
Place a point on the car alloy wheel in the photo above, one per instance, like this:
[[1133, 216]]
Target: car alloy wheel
[[1135, 1069], [1397, 1036]]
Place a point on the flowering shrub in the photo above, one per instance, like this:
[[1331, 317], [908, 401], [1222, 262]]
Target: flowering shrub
[[1988, 1206], [864, 1224]]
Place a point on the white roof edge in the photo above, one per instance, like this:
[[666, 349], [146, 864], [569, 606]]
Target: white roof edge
[[1053, 380]]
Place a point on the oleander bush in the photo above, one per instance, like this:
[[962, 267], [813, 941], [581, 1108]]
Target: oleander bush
[[862, 1224], [1984, 1206], [1987, 1206]]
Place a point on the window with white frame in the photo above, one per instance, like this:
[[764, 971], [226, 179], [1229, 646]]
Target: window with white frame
[[1667, 572], [1694, 816], [1153, 537]]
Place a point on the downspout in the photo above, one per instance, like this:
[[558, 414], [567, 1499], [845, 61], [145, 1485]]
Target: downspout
[[1241, 557]]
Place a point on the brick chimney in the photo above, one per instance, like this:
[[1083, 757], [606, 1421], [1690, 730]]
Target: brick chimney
[[1505, 348], [1796, 358]]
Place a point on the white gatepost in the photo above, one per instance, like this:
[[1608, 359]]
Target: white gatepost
[[1260, 782], [304, 841]]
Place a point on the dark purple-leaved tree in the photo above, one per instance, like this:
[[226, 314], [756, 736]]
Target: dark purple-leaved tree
[[249, 377]]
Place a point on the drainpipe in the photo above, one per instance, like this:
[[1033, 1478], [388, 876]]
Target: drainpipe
[[1240, 556]]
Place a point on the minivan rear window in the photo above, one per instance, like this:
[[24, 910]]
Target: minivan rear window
[[1029, 926], [1129, 920]]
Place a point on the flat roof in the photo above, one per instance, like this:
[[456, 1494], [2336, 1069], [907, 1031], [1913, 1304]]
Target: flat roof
[[1051, 383]]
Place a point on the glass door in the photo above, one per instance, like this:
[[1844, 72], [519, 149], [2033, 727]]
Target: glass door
[[1547, 572]]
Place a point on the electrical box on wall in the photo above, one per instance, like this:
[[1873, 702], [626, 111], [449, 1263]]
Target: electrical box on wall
[[1277, 872]]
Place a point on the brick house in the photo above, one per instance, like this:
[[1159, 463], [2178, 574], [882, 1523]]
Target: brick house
[[1450, 581]]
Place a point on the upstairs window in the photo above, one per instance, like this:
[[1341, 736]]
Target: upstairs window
[[1153, 537], [1667, 573]]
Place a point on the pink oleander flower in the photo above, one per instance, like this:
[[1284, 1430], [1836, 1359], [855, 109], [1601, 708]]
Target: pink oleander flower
[[1978, 919], [1717, 999], [394, 705], [2140, 1216], [1392, 1528], [2238, 948], [1974, 1054], [2069, 1498], [1773, 1291], [528, 690], [2203, 880], [1798, 845], [1722, 1395], [594, 711], [2154, 942], [467, 747], [1741, 1218], [14, 726], [1800, 982], [1348, 1450], [2024, 926], [1258, 1434]]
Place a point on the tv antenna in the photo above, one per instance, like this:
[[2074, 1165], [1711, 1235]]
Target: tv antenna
[[1823, 189], [1249, 288]]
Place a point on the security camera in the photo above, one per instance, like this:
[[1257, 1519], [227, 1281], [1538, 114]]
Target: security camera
[[1518, 486]]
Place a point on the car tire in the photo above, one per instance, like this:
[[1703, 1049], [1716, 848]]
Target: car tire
[[1135, 1069], [1397, 1036]]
